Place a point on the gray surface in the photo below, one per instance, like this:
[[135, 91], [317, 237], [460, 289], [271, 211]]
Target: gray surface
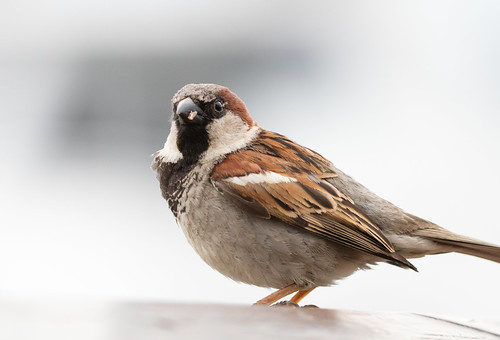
[[179, 321]]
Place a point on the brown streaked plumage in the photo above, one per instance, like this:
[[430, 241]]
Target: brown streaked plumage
[[310, 202], [264, 210]]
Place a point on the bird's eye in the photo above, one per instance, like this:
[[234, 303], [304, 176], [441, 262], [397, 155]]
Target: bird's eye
[[218, 107]]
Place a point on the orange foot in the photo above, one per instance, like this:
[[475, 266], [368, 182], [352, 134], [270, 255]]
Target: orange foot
[[285, 291]]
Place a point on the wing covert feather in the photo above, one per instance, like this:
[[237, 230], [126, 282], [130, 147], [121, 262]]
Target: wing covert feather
[[277, 178]]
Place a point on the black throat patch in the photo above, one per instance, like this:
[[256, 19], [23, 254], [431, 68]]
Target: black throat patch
[[192, 141]]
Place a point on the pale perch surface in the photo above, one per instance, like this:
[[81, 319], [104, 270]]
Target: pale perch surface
[[151, 321]]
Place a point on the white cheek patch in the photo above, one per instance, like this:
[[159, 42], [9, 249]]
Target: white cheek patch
[[266, 177], [170, 152], [228, 134]]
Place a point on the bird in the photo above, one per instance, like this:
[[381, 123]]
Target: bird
[[264, 210]]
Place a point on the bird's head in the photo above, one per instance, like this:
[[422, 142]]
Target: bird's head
[[208, 122]]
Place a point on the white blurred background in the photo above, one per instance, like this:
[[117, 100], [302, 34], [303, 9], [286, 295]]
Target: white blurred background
[[404, 96]]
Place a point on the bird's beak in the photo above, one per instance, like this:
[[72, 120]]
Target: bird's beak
[[189, 112]]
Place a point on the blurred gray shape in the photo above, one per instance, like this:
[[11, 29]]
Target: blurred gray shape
[[121, 104]]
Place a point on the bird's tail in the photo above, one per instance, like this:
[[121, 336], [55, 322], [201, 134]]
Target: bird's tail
[[462, 244]]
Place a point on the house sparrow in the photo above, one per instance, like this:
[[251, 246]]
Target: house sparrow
[[264, 210]]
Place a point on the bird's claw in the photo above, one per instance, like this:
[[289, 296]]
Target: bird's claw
[[292, 304]]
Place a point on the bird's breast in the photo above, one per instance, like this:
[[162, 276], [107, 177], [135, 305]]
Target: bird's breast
[[246, 248]]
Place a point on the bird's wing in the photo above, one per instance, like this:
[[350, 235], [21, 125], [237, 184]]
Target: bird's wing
[[277, 178]]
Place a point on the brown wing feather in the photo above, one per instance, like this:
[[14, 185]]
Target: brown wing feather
[[308, 202]]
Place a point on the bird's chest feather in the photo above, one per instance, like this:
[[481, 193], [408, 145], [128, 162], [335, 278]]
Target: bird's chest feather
[[202, 213], [179, 185], [264, 252], [190, 194]]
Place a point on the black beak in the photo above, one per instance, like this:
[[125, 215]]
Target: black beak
[[189, 112]]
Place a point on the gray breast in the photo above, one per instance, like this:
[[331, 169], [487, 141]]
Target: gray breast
[[263, 252]]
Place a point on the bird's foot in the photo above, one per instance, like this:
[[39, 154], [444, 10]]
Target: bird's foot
[[286, 304], [292, 304], [281, 293]]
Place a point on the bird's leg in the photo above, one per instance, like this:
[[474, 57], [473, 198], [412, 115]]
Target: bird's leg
[[281, 293], [300, 295]]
